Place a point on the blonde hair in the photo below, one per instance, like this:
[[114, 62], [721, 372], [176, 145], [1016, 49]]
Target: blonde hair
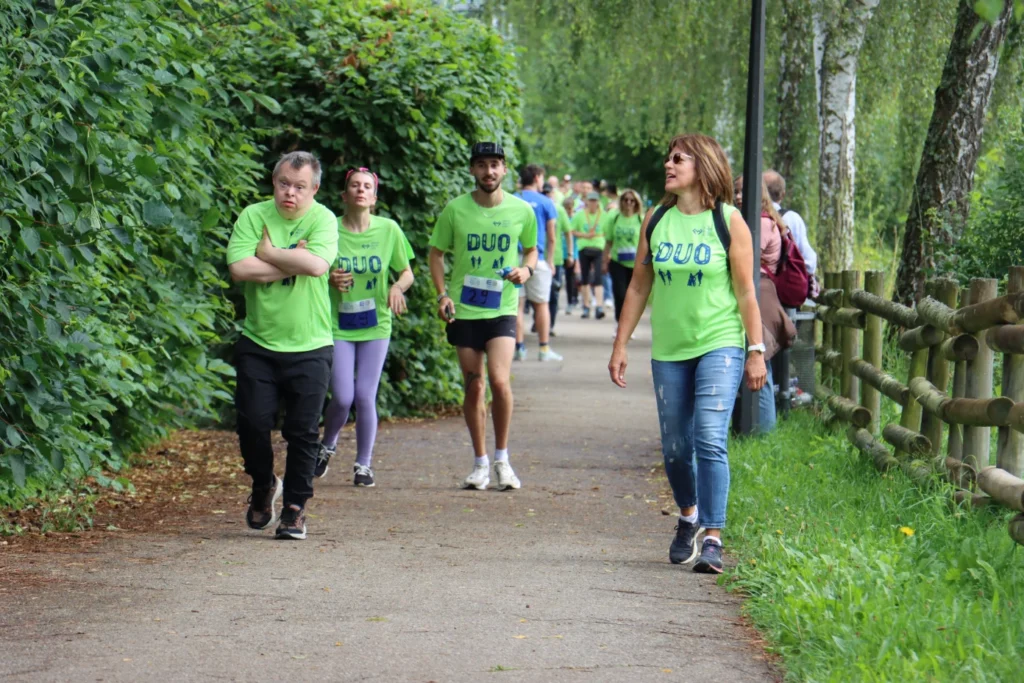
[[768, 207], [636, 198], [714, 176]]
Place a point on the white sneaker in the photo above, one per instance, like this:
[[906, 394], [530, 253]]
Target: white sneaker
[[507, 479], [548, 355], [520, 354], [478, 479]]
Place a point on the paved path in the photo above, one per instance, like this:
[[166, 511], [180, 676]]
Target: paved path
[[415, 580]]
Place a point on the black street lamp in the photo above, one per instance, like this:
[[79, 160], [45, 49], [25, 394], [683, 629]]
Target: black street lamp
[[752, 163]]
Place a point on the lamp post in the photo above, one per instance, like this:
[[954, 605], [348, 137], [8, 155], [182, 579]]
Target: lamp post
[[752, 161]]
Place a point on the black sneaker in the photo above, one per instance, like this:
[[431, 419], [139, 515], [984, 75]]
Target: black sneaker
[[363, 476], [710, 560], [293, 523], [322, 458], [262, 501], [684, 546], [585, 314], [599, 314]]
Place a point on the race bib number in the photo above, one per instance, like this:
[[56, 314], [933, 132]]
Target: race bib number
[[357, 315], [482, 292], [627, 254]]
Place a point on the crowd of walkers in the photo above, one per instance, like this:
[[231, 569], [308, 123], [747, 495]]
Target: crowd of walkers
[[321, 293]]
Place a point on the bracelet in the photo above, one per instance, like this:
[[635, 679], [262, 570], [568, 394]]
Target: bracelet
[[530, 269]]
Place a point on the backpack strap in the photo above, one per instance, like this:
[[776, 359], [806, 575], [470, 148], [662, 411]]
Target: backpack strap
[[655, 217]]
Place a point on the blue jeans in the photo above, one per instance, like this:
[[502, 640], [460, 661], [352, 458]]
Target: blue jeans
[[766, 403], [606, 282], [695, 400]]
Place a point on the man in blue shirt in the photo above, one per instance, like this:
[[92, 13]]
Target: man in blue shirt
[[538, 288]]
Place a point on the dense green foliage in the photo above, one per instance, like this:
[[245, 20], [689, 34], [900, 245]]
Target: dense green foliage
[[131, 136], [121, 165], [403, 89], [858, 576]]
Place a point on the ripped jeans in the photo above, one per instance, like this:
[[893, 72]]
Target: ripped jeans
[[695, 400]]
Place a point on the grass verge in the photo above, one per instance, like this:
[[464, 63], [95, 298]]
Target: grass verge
[[858, 576]]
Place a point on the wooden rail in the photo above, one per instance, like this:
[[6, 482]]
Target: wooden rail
[[947, 404]]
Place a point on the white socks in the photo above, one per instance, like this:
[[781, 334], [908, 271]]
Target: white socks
[[483, 461], [689, 519], [501, 455], [714, 539]]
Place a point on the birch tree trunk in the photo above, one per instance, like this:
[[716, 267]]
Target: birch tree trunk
[[842, 45], [794, 60], [941, 199]]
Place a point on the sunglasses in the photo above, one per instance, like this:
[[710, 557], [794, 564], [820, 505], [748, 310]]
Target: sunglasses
[[678, 157], [629, 200]]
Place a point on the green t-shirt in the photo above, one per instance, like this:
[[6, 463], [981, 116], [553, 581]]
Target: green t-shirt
[[483, 241], [624, 235], [694, 309], [362, 313], [562, 226], [585, 222], [294, 314]]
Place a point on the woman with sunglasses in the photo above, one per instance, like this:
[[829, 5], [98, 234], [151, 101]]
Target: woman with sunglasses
[[361, 297], [622, 233], [704, 302]]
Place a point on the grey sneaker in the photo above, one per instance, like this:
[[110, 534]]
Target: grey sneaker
[[322, 458], [710, 560], [684, 546], [362, 476]]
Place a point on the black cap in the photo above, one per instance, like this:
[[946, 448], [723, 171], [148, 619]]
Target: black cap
[[486, 149], [547, 189]]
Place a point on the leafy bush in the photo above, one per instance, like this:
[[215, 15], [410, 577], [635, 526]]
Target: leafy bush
[[994, 238], [403, 88], [121, 166]]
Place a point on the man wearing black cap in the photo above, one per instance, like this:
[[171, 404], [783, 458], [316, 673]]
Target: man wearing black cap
[[482, 229]]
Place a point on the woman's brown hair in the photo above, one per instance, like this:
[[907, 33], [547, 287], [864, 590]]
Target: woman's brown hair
[[714, 177], [636, 198]]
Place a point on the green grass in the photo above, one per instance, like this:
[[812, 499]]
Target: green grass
[[858, 576]]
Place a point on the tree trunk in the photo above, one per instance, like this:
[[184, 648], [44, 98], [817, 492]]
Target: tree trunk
[[836, 122], [794, 58], [941, 199]]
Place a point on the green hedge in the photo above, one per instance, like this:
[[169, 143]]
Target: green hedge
[[403, 88], [130, 137], [121, 164]]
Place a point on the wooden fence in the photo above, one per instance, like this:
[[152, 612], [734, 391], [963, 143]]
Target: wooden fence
[[948, 407]]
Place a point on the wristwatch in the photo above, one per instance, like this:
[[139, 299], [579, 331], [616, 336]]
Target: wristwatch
[[442, 295], [530, 269], [757, 347]]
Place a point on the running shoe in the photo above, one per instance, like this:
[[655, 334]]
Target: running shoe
[[684, 546], [600, 313], [322, 458], [608, 303], [293, 523], [520, 353], [569, 309], [478, 479], [585, 314], [552, 334], [507, 479], [262, 501], [549, 355], [363, 476], [710, 560]]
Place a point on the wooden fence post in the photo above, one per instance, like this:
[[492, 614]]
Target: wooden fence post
[[979, 381], [945, 290], [874, 283], [830, 342], [850, 386], [910, 418], [1010, 444], [955, 447]]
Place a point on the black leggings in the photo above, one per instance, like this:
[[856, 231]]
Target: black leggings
[[590, 266], [621, 275]]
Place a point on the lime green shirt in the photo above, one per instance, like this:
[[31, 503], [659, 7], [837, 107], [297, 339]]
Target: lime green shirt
[[563, 226], [294, 314], [362, 313], [694, 309], [585, 222], [624, 235], [482, 242]]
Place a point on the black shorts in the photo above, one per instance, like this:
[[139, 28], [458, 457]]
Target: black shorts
[[474, 334], [590, 265]]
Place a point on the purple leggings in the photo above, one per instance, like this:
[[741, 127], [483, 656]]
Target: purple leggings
[[348, 387]]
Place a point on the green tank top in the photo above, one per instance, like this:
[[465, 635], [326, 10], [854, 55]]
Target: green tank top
[[694, 309]]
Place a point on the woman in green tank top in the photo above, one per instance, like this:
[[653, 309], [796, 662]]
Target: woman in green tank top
[[703, 303]]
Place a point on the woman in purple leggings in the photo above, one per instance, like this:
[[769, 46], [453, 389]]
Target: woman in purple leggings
[[368, 248]]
